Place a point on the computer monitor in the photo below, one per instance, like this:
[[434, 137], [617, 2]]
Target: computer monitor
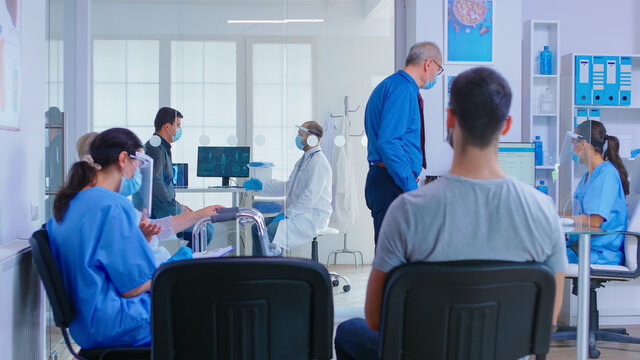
[[223, 161], [518, 160], [180, 175]]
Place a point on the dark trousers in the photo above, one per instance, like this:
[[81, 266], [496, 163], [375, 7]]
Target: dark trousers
[[354, 341], [272, 228], [379, 191]]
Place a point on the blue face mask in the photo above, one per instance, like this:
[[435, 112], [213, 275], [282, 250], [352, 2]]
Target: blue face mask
[[575, 158], [178, 135], [299, 142], [131, 186], [430, 84]]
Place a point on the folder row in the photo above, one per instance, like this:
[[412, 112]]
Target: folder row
[[603, 80]]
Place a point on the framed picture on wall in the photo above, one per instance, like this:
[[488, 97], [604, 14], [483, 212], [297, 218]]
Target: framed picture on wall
[[468, 32]]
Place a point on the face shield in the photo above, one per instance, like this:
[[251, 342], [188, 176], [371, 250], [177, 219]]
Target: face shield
[[142, 198], [573, 171]]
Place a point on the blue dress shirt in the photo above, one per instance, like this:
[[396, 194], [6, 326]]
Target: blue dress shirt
[[392, 124]]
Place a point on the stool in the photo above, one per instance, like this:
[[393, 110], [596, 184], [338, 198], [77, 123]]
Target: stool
[[335, 277], [346, 250]]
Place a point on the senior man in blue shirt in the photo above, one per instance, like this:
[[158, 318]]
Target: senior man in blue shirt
[[394, 123]]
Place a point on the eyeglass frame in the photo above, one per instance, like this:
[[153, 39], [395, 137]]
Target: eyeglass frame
[[440, 70]]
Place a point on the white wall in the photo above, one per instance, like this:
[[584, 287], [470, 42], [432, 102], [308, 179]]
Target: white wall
[[22, 155], [425, 22], [579, 19]]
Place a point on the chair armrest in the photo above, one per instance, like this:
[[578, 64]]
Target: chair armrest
[[621, 274]]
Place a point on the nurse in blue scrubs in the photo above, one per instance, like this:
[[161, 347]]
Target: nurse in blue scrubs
[[599, 199], [104, 258]]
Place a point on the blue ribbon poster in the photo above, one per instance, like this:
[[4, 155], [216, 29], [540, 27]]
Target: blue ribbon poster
[[469, 31]]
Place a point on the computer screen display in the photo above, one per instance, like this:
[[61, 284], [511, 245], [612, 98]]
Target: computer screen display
[[223, 161], [518, 160], [180, 175]]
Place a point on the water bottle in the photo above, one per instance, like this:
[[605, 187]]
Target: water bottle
[[546, 61], [546, 102], [538, 151], [543, 188]]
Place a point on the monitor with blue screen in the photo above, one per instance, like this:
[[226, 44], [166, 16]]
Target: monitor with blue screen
[[518, 160], [223, 161]]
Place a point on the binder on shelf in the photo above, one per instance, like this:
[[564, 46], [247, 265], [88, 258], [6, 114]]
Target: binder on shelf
[[597, 80], [611, 85], [594, 114], [581, 115], [583, 80], [624, 80]]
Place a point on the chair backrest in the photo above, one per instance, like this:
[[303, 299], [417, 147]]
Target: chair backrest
[[51, 278], [242, 308], [467, 310]]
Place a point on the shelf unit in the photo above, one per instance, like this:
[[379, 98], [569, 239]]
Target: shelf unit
[[537, 34], [621, 121]]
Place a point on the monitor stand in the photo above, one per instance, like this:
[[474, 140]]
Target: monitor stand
[[225, 181]]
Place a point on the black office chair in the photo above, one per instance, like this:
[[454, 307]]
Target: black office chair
[[242, 308], [467, 310], [63, 308], [599, 275]]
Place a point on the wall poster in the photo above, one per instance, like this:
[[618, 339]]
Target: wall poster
[[468, 33]]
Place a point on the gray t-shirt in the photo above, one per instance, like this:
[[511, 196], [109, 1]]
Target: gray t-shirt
[[456, 218]]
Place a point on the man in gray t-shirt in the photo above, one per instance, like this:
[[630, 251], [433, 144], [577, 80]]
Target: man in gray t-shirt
[[475, 212]]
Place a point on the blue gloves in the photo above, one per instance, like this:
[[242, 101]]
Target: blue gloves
[[184, 253], [278, 217], [253, 184]]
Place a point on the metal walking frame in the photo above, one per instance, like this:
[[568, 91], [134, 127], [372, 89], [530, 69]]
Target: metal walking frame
[[243, 216]]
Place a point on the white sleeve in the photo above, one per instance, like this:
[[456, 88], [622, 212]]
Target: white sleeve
[[273, 188]]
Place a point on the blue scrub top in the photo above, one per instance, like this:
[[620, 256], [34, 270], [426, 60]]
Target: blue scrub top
[[602, 194], [392, 123], [102, 253]]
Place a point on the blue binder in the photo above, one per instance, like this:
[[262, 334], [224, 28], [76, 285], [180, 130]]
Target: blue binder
[[625, 80], [594, 114], [582, 115], [583, 80], [597, 80], [611, 85]]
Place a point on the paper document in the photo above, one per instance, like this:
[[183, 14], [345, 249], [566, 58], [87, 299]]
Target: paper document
[[214, 252]]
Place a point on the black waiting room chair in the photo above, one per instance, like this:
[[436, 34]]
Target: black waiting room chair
[[242, 308], [62, 306], [467, 310]]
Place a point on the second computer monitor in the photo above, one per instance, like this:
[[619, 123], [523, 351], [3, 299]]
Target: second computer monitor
[[223, 161], [518, 160]]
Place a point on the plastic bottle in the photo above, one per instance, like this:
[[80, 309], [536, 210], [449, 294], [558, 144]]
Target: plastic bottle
[[546, 102], [543, 188], [546, 60], [538, 151]]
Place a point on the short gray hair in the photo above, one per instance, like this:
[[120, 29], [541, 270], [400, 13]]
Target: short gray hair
[[423, 51]]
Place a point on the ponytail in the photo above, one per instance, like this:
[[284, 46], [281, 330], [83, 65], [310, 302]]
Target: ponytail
[[80, 175], [611, 154]]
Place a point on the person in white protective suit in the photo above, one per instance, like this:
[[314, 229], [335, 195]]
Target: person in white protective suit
[[307, 206]]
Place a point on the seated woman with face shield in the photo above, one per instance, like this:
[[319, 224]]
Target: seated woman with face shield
[[103, 256], [599, 199], [155, 230]]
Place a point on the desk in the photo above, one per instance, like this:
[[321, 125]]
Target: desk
[[234, 202], [584, 274]]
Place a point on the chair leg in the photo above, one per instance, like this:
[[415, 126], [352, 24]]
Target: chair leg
[[314, 249]]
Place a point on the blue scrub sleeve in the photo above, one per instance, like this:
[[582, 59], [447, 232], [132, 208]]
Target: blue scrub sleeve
[[123, 251], [602, 195], [396, 114]]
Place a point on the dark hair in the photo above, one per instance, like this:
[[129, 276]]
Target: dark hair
[[105, 149], [315, 127], [166, 115], [480, 100], [595, 134]]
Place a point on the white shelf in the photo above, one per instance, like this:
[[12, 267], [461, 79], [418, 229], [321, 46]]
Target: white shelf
[[545, 167], [544, 115], [545, 76]]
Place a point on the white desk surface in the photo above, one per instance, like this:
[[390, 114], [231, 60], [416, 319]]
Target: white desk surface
[[220, 189]]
